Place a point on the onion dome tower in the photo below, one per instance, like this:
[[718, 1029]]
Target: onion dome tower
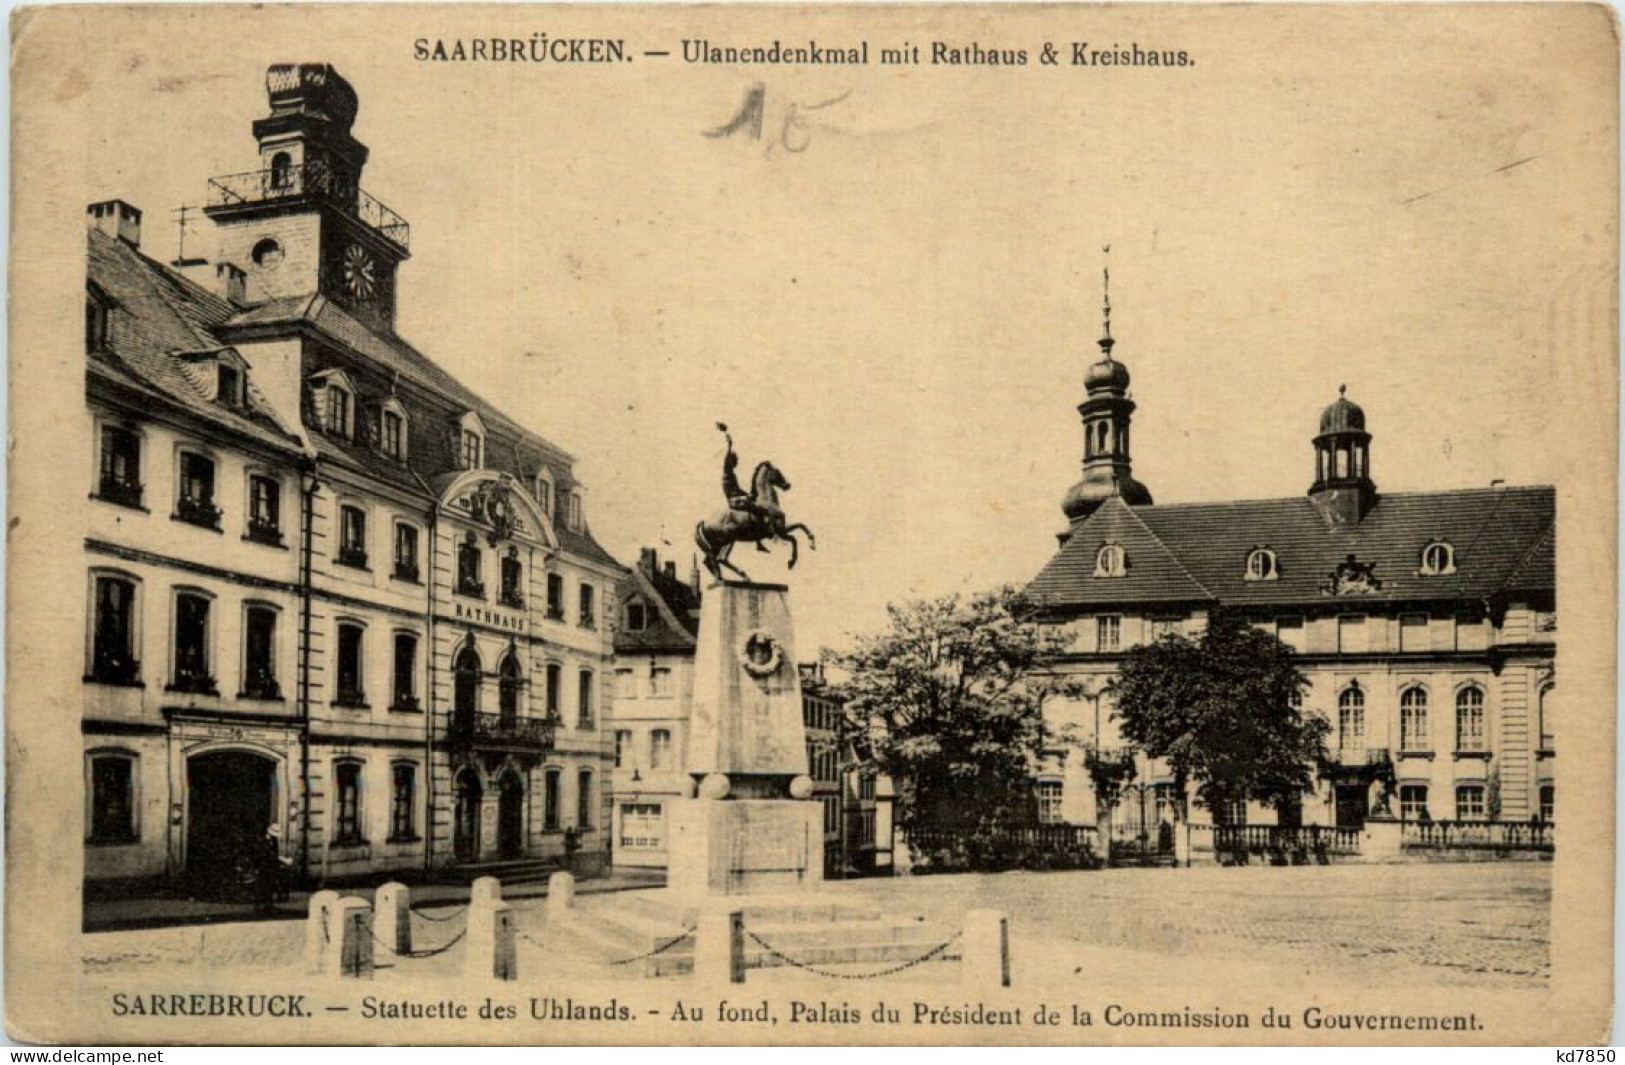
[[1106, 412], [1343, 489]]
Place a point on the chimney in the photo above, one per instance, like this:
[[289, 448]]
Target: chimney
[[671, 572], [647, 561], [230, 283], [117, 219]]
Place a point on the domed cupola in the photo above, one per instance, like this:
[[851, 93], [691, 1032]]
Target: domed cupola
[[1106, 412], [1343, 489]]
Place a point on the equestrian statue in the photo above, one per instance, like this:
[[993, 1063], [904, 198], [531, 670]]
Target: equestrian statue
[[751, 517]]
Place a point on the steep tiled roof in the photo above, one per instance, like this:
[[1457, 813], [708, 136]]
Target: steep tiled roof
[[1503, 541], [673, 620], [154, 317]]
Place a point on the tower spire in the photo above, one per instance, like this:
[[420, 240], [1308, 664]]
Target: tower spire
[[1106, 340]]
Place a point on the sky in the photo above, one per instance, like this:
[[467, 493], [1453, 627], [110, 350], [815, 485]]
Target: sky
[[899, 313]]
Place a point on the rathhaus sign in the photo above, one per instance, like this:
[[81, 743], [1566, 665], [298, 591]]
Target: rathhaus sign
[[484, 615]]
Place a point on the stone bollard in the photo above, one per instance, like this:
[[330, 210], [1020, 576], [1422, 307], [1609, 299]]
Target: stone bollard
[[719, 947], [986, 958], [561, 896], [489, 942], [485, 889], [318, 939], [392, 917], [350, 927]]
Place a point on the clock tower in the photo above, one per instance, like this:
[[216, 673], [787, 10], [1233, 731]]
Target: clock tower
[[301, 224]]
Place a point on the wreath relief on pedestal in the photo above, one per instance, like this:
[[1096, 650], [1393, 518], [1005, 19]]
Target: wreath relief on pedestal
[[760, 654]]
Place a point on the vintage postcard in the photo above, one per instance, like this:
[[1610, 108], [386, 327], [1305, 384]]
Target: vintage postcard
[[832, 524]]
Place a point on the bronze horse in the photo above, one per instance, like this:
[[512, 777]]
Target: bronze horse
[[718, 533]]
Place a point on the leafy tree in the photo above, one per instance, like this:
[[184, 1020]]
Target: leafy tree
[[948, 702], [1219, 709]]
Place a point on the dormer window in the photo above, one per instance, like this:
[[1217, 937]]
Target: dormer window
[[637, 615], [471, 441], [1261, 565], [1111, 561], [228, 385], [335, 403], [95, 323], [1438, 559], [573, 517], [544, 493], [392, 430]]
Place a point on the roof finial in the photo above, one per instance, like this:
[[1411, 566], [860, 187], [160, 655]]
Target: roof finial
[[1106, 340], [1342, 390]]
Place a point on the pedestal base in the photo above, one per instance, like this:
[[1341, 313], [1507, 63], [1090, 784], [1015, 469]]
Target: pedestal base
[[744, 846]]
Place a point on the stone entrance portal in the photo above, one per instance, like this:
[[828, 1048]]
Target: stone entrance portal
[[230, 800]]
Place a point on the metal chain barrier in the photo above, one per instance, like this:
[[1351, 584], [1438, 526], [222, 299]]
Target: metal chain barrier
[[426, 953], [449, 917], [921, 960], [661, 949]]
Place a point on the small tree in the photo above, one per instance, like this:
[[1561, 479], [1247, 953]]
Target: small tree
[[948, 701], [1219, 708]]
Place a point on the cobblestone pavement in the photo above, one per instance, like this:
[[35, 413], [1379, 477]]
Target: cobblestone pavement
[[1471, 924]]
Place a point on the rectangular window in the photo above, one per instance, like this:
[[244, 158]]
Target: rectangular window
[[192, 645], [112, 799], [195, 503], [555, 682], [584, 702], [471, 450], [264, 509], [1352, 635], [550, 801], [660, 749], [259, 667], [659, 681], [350, 691], [1470, 802], [1413, 802], [393, 434], [584, 818], [1049, 802], [402, 800], [625, 684], [121, 466], [1548, 802], [623, 747], [227, 385], [555, 597], [513, 574], [589, 609], [406, 552], [1413, 633], [353, 537], [1108, 632], [113, 642], [642, 825], [1290, 632], [338, 411], [1161, 627], [469, 579], [347, 804], [406, 668]]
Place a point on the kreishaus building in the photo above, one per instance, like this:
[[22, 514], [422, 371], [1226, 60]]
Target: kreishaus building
[[329, 589], [1424, 621]]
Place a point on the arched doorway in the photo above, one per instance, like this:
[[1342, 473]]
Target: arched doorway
[[466, 822], [230, 800], [510, 817]]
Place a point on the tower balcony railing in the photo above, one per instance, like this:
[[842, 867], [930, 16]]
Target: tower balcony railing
[[500, 730], [312, 181]]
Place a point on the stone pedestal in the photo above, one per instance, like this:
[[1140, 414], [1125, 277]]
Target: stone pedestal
[[1381, 840], [752, 826]]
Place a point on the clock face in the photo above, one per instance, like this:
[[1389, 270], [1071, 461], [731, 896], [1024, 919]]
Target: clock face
[[359, 276]]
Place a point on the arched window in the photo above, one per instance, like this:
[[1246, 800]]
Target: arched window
[[347, 804], [1111, 561], [1413, 719], [281, 171], [1261, 565], [193, 656], [113, 646], [111, 790], [1351, 722], [1546, 703], [509, 680], [1470, 719], [466, 684], [1438, 559]]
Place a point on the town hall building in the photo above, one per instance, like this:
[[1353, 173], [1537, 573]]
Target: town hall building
[[1425, 623], [335, 597]]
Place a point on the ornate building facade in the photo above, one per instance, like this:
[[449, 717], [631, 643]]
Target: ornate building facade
[[1424, 621], [333, 592]]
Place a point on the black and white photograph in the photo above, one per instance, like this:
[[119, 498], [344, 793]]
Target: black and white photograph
[[813, 525]]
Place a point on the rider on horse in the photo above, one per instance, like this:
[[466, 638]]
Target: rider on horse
[[738, 499]]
